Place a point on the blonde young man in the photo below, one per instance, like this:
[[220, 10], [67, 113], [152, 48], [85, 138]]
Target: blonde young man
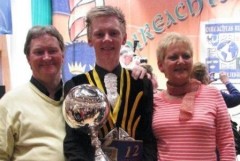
[[106, 28]]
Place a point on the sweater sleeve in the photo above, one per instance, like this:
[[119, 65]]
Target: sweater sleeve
[[224, 134], [149, 141], [77, 145], [233, 98], [6, 134]]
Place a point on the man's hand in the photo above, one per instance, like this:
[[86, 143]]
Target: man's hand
[[224, 78], [138, 72]]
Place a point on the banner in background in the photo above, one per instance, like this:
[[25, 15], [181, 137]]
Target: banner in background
[[60, 7], [79, 56], [5, 17], [220, 47], [148, 22], [41, 12]]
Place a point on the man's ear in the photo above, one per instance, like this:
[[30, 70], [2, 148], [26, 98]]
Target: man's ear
[[160, 66], [28, 58]]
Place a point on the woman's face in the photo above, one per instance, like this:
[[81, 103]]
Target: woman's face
[[177, 64]]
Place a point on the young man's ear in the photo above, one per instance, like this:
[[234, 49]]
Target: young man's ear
[[90, 42], [124, 39]]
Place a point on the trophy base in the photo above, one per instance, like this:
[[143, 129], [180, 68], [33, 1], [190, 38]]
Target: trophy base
[[100, 156], [111, 152], [124, 150]]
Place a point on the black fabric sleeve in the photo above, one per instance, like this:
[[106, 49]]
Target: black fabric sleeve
[[77, 143], [149, 141]]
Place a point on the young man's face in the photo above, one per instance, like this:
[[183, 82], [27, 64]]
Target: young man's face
[[106, 37]]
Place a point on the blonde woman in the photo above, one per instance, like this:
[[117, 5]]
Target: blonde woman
[[190, 119]]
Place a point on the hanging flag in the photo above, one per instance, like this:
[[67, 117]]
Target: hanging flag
[[79, 58], [61, 7], [41, 12], [5, 17]]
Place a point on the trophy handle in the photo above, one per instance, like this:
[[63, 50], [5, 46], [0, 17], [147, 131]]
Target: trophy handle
[[99, 154]]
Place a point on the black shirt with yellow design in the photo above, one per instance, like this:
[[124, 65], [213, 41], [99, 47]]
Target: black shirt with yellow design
[[133, 114]]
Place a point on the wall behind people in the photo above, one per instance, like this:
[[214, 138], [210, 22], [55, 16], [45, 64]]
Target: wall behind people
[[5, 28], [22, 20], [4, 65], [147, 22]]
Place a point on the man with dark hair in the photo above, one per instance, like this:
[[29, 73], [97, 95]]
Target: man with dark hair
[[31, 122]]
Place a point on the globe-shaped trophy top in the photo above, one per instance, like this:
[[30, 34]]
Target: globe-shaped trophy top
[[85, 105]]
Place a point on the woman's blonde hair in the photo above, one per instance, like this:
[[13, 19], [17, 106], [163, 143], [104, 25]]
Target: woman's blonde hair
[[171, 39]]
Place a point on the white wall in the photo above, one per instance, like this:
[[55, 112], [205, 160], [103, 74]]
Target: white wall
[[21, 21]]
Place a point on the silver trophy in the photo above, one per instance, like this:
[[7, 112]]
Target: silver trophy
[[85, 106]]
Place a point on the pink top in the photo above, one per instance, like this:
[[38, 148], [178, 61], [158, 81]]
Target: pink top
[[197, 138]]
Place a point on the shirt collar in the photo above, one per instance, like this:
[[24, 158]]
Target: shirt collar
[[44, 90], [102, 72]]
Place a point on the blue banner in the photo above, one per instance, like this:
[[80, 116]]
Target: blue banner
[[222, 41], [5, 17], [79, 58], [61, 7]]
